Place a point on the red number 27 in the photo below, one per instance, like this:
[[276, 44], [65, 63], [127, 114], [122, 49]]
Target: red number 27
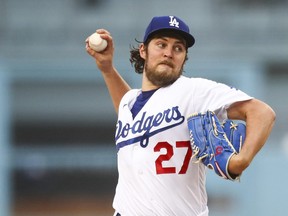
[[160, 169]]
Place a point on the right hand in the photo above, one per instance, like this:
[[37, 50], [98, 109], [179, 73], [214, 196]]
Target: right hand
[[104, 59]]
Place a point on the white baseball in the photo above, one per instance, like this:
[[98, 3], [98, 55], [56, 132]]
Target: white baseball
[[97, 43]]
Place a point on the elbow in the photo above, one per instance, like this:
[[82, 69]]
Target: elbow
[[271, 115], [264, 112]]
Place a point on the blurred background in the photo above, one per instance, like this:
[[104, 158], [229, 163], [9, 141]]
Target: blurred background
[[57, 154]]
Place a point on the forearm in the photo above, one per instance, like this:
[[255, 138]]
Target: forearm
[[116, 85], [259, 119]]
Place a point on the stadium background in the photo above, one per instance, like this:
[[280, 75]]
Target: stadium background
[[57, 121]]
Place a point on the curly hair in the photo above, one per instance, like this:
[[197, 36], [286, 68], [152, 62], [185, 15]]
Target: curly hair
[[138, 62]]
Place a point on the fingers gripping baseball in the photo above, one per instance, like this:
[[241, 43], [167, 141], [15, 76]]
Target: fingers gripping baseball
[[98, 41], [99, 45]]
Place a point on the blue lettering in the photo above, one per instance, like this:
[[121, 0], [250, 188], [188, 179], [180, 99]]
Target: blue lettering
[[158, 119], [141, 130], [136, 128], [125, 130]]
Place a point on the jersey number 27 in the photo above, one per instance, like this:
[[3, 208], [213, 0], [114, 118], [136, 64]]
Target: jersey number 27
[[160, 168]]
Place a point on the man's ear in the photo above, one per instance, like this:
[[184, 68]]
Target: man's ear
[[142, 51]]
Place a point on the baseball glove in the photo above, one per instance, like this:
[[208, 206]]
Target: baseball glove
[[214, 144]]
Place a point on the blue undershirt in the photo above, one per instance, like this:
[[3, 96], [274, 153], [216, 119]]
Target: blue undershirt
[[141, 101]]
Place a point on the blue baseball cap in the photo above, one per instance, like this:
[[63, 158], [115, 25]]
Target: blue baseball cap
[[173, 23]]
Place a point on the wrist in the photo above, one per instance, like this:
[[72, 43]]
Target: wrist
[[107, 69], [237, 164]]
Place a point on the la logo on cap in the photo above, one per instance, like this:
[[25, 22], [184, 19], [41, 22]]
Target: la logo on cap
[[173, 22]]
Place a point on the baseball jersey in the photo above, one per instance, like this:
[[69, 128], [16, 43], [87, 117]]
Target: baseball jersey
[[157, 175]]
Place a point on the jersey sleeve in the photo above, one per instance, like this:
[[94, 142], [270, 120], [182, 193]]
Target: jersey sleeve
[[217, 97], [129, 98]]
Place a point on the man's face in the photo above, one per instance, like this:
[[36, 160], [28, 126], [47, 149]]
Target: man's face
[[164, 60]]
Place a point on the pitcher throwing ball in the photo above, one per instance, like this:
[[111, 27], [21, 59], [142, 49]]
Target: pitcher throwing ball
[[158, 171]]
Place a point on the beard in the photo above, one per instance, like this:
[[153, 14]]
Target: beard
[[162, 78]]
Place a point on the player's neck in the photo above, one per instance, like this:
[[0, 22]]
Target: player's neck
[[147, 85]]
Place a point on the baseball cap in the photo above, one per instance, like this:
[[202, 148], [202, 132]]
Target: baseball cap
[[160, 23]]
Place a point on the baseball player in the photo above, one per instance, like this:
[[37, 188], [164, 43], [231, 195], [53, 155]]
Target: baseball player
[[157, 173]]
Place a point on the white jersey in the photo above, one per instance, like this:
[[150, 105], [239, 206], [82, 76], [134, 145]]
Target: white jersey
[[156, 172]]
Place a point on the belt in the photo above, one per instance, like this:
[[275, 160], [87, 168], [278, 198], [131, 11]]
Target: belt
[[118, 214]]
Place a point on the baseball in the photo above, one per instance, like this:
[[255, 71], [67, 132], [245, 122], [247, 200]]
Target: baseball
[[97, 43]]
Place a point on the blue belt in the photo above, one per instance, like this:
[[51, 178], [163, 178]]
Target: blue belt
[[118, 214]]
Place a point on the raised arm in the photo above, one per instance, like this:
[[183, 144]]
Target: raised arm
[[116, 85], [259, 119]]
